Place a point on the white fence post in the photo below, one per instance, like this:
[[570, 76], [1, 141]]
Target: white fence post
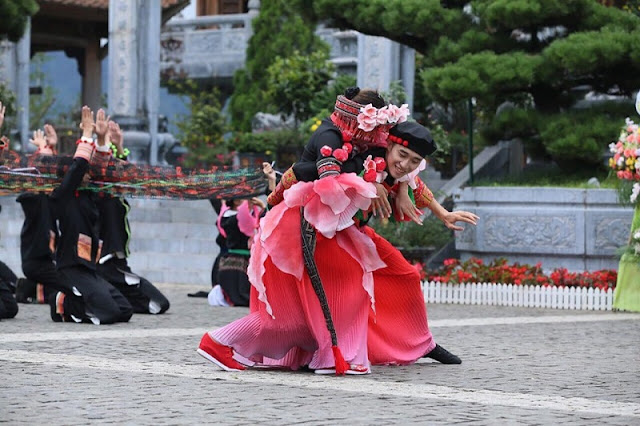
[[499, 294]]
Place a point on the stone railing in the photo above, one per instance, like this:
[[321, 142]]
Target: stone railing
[[205, 47], [213, 47], [579, 229]]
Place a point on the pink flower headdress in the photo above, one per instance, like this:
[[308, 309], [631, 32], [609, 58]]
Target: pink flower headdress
[[366, 126]]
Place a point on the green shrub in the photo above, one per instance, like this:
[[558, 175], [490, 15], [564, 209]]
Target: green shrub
[[202, 131], [579, 138], [432, 233], [270, 141]]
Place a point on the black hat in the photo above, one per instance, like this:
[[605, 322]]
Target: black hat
[[414, 136]]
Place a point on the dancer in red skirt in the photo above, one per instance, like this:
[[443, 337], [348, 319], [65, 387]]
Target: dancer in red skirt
[[292, 325]]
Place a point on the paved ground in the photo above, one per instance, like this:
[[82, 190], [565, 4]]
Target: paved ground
[[520, 366]]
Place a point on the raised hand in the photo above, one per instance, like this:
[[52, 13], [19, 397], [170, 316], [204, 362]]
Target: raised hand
[[38, 139], [115, 134], [102, 125], [87, 124], [255, 201], [3, 108], [268, 171], [50, 135]]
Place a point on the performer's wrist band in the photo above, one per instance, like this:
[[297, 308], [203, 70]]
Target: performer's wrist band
[[103, 148], [328, 166], [86, 139]]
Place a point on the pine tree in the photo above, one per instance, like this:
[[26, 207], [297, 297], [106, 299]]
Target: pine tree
[[278, 32], [539, 56]]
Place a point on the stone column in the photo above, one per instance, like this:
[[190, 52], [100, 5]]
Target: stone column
[[8, 64], [92, 78], [8, 68], [134, 73], [254, 7], [150, 55], [23, 51], [123, 61], [408, 72], [382, 61]]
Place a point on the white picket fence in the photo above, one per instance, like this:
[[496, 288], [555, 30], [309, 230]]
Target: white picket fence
[[518, 295]]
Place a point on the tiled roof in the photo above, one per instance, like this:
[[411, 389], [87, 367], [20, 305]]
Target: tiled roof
[[101, 4]]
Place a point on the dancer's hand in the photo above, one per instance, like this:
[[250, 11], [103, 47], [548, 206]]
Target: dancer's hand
[[101, 126], [450, 219], [405, 207], [87, 124], [380, 206], [50, 135], [38, 139], [116, 135], [268, 171], [255, 201]]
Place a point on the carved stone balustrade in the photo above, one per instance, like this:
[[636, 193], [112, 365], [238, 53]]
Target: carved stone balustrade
[[206, 47], [213, 47], [578, 229]]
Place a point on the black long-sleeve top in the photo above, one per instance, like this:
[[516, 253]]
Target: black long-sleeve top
[[39, 231], [78, 219], [114, 225], [328, 134], [236, 239]]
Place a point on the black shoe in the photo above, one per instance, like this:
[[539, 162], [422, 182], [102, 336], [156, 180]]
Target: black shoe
[[25, 291], [201, 293], [55, 316], [442, 355]]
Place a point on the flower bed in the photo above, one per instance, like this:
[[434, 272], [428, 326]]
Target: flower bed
[[499, 271]]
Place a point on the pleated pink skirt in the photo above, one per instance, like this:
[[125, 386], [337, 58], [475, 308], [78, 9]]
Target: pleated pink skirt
[[398, 331], [297, 334]]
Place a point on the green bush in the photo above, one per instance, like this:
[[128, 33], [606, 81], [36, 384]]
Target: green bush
[[579, 138], [294, 81], [202, 131], [432, 233], [270, 141]]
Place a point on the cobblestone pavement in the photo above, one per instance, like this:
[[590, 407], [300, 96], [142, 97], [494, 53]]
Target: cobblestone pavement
[[520, 366]]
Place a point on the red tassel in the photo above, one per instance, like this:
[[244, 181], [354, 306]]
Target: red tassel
[[341, 365]]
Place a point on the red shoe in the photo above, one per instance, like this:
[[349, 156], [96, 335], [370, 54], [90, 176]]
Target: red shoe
[[219, 354]]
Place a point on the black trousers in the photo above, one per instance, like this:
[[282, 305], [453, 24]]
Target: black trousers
[[143, 296], [8, 276], [89, 297], [8, 304], [41, 271]]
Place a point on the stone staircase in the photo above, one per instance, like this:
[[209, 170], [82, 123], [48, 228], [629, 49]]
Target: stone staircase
[[172, 241]]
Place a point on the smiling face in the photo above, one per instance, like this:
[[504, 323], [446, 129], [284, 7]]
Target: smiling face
[[401, 160]]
